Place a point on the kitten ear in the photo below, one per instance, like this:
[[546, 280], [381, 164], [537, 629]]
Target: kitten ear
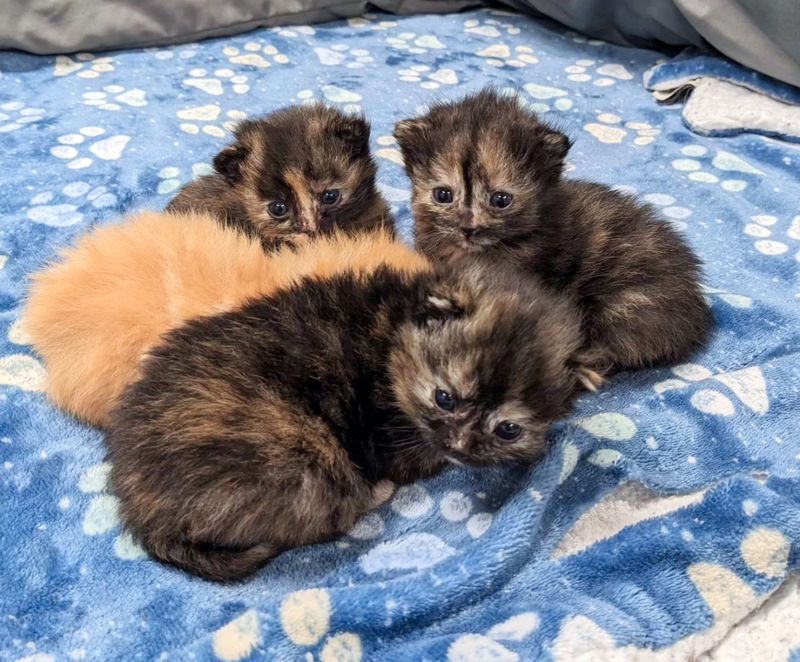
[[411, 138], [556, 144], [354, 133], [409, 129], [228, 162]]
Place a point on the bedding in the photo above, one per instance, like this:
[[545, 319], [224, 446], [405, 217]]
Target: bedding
[[664, 524]]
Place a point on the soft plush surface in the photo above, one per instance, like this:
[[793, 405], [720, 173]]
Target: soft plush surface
[[669, 507], [724, 98]]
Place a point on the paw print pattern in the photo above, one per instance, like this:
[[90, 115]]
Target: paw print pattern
[[349, 99], [169, 177], [723, 162], [763, 228], [542, 94], [295, 31], [490, 27], [501, 55], [63, 209], [255, 55], [370, 22], [188, 51], [107, 149], [201, 118], [199, 79], [609, 129], [433, 79], [343, 55], [16, 115], [111, 93], [85, 65], [414, 43], [609, 73]]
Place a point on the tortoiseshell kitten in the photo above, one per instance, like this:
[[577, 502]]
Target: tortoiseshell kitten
[[290, 174], [263, 429], [487, 180]]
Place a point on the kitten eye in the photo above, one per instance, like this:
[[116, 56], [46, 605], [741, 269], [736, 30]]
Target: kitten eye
[[330, 197], [507, 430], [500, 199], [278, 209], [442, 195], [444, 400]]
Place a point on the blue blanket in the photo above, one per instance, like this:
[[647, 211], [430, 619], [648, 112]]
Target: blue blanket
[[669, 507]]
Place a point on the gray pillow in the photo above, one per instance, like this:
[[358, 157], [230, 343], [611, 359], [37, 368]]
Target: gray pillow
[[761, 35], [66, 26]]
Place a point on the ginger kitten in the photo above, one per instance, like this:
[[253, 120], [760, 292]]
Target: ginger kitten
[[96, 311]]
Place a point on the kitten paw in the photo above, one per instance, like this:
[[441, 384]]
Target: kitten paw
[[589, 379]]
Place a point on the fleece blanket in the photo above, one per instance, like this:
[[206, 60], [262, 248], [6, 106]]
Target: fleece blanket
[[724, 98], [664, 523]]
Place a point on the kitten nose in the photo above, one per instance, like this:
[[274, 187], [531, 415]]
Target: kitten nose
[[307, 226], [468, 231]]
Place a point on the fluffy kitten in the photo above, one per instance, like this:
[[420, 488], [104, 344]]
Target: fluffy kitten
[[293, 173], [486, 177], [95, 312], [263, 429]]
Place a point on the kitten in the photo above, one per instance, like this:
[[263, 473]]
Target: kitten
[[263, 429], [291, 174], [95, 312], [486, 177]]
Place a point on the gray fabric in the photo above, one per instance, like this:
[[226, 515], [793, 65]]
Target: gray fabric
[[66, 26], [762, 35]]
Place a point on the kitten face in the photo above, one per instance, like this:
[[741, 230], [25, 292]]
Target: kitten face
[[480, 170], [483, 386], [303, 170]]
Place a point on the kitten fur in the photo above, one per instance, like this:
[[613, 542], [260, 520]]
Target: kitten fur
[[262, 429], [292, 156], [634, 278], [106, 301]]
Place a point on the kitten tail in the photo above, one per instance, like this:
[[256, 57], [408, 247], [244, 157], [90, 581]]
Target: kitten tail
[[220, 564]]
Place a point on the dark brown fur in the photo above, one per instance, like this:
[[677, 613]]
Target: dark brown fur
[[266, 428], [635, 279], [292, 156]]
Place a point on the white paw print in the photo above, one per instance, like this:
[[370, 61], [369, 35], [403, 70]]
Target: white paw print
[[414, 43], [85, 65], [609, 73], [371, 22], [332, 93], [62, 209], [199, 79], [723, 162], [433, 79], [188, 51], [169, 177], [256, 55], [339, 54], [609, 130], [107, 149], [762, 228], [111, 93], [295, 31], [16, 115], [501, 55], [490, 27], [543, 93], [202, 118]]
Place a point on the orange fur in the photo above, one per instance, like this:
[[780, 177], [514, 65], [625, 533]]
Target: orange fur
[[93, 314]]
